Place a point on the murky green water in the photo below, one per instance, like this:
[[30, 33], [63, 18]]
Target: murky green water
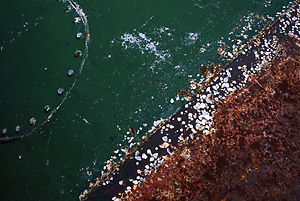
[[140, 54]]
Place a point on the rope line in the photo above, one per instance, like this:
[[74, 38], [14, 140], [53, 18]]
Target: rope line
[[84, 20]]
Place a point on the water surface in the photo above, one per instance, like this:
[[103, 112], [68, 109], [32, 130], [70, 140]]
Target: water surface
[[140, 54]]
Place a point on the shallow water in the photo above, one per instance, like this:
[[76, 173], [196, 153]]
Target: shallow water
[[140, 54]]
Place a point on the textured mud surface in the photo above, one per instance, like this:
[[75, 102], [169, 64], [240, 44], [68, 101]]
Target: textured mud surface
[[253, 153]]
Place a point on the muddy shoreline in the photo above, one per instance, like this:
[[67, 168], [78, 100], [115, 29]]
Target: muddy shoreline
[[196, 116]]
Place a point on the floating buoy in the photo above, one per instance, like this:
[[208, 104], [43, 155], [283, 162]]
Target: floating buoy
[[60, 91], [70, 73], [76, 20], [4, 131], [68, 9], [47, 108], [79, 35], [17, 129], [32, 121], [77, 53]]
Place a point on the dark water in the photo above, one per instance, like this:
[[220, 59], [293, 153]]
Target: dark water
[[140, 54]]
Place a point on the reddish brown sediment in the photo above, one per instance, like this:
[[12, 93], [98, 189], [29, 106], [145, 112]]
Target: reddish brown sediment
[[253, 153]]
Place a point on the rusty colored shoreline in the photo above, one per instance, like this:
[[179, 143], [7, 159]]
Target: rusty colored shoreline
[[253, 153], [195, 119]]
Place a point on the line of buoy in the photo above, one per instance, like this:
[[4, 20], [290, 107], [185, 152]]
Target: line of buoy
[[32, 121]]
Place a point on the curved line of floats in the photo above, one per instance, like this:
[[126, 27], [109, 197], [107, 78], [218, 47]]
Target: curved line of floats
[[84, 20]]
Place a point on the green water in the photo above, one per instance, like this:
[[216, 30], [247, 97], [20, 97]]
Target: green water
[[123, 84]]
